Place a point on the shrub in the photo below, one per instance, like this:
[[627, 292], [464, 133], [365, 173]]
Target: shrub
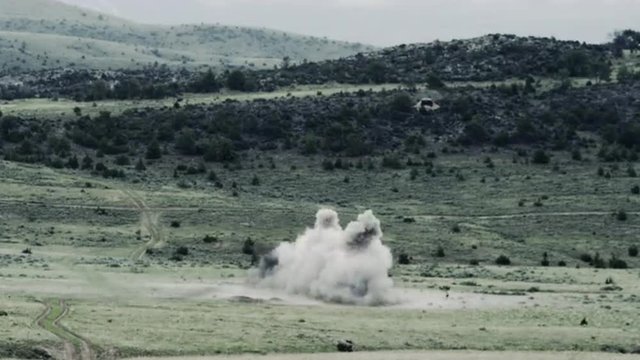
[[440, 252], [210, 239], [474, 262], [635, 190], [616, 263], [328, 165], [455, 229], [26, 251], [404, 259], [545, 260], [140, 165], [540, 157], [562, 263], [621, 215], [248, 247], [255, 181], [392, 162], [598, 262], [175, 224], [182, 251], [153, 151], [586, 258], [503, 260], [633, 250], [122, 160]]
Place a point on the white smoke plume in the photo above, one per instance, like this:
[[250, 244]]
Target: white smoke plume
[[332, 264]]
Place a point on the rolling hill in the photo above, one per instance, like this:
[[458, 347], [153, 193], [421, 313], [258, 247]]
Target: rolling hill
[[42, 34]]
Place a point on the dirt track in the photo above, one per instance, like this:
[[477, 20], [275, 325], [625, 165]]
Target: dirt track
[[149, 220], [75, 346]]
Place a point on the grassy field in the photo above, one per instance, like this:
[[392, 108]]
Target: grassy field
[[88, 239], [63, 107], [41, 34]]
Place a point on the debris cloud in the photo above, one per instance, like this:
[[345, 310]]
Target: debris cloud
[[329, 263]]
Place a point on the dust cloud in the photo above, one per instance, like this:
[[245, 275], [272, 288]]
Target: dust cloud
[[332, 264]]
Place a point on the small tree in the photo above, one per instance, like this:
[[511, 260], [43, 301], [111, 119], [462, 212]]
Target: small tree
[[503, 260], [404, 259], [545, 259], [255, 181], [633, 250], [153, 151], [140, 165], [540, 157], [248, 247], [237, 81], [440, 252]]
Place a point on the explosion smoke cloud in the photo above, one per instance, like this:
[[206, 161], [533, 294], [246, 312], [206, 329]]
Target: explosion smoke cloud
[[332, 264]]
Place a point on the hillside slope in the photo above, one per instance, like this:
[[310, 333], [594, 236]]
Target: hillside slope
[[40, 34]]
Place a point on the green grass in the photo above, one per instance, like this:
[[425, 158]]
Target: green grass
[[154, 306]]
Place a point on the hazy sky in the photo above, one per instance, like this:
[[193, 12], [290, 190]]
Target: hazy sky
[[390, 22]]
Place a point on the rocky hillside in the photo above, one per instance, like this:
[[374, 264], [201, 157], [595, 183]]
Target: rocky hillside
[[604, 117], [44, 34], [488, 58]]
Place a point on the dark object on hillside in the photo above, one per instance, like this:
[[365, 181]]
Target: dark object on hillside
[[404, 259], [503, 260], [210, 239], [346, 346], [409, 220], [175, 224], [26, 251], [3, 313], [584, 322], [182, 251], [267, 264], [248, 247], [633, 250]]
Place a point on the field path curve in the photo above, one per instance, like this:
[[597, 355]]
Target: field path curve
[[75, 346], [149, 220]]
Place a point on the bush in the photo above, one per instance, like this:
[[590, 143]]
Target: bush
[[616, 263], [392, 162], [440, 252], [175, 224], [503, 260], [635, 190], [545, 260], [404, 259], [182, 251], [153, 151], [474, 262], [586, 258], [456, 229], [255, 181], [633, 250], [210, 239], [402, 103], [562, 263], [540, 157], [621, 215], [598, 262], [328, 165], [248, 247]]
